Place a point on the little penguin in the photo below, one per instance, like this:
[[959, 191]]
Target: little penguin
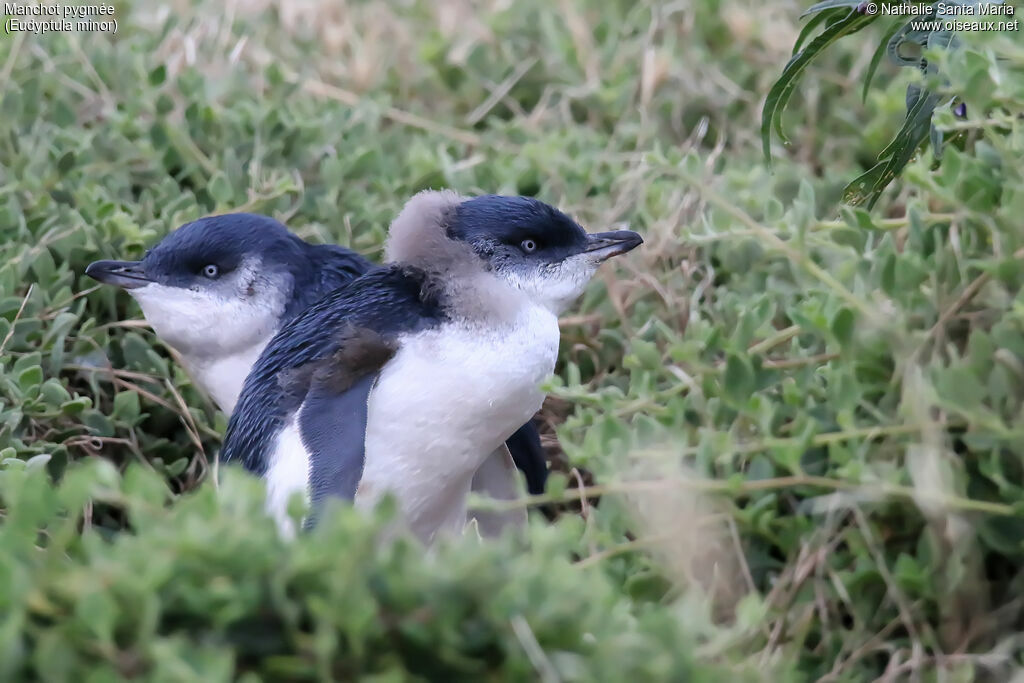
[[406, 380]]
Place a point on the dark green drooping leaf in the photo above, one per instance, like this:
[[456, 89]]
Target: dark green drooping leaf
[[905, 35], [869, 186], [780, 93], [904, 46], [876, 59], [809, 28]]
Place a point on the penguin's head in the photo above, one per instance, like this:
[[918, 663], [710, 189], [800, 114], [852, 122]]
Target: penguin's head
[[215, 286], [528, 244]]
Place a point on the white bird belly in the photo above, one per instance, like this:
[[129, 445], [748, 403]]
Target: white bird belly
[[446, 400], [287, 475]]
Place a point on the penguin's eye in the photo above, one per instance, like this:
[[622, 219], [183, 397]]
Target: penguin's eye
[[211, 271], [529, 246]]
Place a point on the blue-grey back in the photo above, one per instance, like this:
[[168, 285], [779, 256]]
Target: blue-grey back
[[329, 267]]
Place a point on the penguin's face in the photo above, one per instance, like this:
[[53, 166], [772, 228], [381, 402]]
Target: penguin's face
[[536, 248], [213, 287]]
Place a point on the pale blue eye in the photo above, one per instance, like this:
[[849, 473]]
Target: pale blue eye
[[529, 246], [211, 271]]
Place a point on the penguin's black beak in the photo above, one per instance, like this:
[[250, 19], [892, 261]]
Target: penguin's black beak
[[604, 245], [126, 274]]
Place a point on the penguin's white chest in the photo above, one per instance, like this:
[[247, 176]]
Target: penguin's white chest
[[445, 401], [222, 377]]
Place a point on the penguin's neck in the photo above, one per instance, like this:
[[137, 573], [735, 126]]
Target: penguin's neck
[[481, 299], [222, 376]]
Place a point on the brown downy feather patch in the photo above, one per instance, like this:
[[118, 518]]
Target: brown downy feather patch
[[360, 351], [419, 237]]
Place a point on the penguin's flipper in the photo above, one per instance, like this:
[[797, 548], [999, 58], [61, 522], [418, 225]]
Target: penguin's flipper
[[332, 419], [529, 457], [333, 429], [496, 479]]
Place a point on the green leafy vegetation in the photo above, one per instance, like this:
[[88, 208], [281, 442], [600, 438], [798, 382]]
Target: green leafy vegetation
[[800, 426], [912, 43]]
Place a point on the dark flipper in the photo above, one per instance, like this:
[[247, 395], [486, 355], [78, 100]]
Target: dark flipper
[[528, 455], [333, 428], [332, 419]]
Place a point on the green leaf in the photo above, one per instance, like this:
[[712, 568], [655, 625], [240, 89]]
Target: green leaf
[[176, 467], [220, 188], [44, 266], [158, 134], [842, 326], [28, 360], [960, 388], [556, 485], [779, 95], [857, 218], [647, 586], [761, 467], [30, 378], [876, 58], [647, 355], [751, 611], [126, 407], [76, 406], [61, 325], [738, 380], [158, 75], [66, 162], [53, 392], [868, 187], [808, 28], [97, 610], [136, 352], [37, 462], [909, 573], [164, 104]]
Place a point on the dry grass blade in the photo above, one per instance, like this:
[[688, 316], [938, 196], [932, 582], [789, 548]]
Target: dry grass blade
[[190, 426], [528, 640], [17, 316], [397, 115], [500, 92]]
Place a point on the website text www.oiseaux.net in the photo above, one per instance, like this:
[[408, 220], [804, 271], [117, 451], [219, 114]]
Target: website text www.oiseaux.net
[[948, 16]]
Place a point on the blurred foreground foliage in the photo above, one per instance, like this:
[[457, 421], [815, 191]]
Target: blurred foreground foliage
[[199, 592], [806, 427]]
